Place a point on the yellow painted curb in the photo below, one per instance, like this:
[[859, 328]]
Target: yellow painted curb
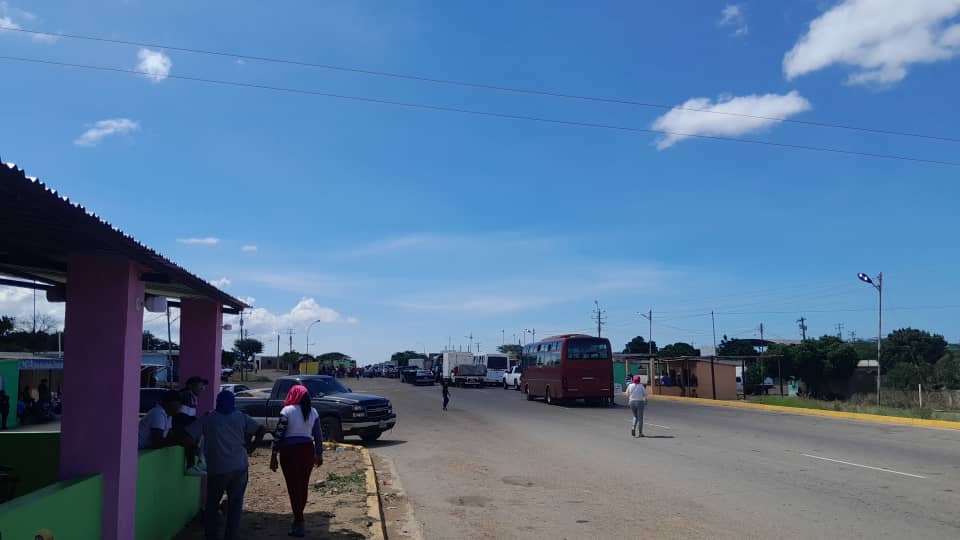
[[863, 417], [378, 529]]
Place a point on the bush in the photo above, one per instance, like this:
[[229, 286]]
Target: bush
[[947, 372]]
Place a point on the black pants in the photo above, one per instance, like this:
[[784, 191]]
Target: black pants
[[234, 485], [446, 399]]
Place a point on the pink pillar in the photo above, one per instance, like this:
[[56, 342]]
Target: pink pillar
[[101, 379], [200, 335]]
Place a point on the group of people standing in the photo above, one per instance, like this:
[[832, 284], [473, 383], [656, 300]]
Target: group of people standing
[[225, 437]]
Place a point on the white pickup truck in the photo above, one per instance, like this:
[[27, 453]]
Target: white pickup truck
[[511, 379]]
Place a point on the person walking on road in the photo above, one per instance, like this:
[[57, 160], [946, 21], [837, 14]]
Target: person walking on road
[[446, 394], [298, 443], [230, 436], [637, 398]]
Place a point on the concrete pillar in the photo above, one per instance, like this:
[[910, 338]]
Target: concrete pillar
[[201, 323], [101, 382]]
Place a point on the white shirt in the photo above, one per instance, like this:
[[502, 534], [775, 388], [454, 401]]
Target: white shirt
[[636, 392], [157, 418], [296, 425]]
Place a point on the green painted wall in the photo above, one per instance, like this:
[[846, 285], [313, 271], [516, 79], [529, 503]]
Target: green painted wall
[[166, 499], [70, 510], [10, 371], [34, 455]]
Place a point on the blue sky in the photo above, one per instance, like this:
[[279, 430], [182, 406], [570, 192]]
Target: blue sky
[[400, 227]]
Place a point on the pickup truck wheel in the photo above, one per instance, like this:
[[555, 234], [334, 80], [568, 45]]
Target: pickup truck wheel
[[505, 384], [332, 431], [516, 385]]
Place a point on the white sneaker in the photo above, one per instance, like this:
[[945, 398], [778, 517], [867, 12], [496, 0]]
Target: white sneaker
[[195, 471]]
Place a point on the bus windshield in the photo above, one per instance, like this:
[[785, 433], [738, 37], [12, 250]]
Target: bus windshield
[[497, 362], [587, 349]]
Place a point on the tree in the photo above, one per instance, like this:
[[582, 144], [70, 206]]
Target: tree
[[947, 371], [334, 358], [735, 347], [866, 350], [403, 358], [907, 375], [227, 358], [678, 349], [638, 345], [247, 347], [7, 324], [816, 361], [511, 348], [909, 345]]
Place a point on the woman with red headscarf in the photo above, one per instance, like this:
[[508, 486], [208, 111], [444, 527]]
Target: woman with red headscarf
[[637, 397], [298, 442]]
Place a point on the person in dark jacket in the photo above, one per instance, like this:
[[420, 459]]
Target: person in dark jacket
[[446, 394]]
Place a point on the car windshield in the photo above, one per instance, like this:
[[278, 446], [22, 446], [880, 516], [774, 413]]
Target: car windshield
[[325, 386]]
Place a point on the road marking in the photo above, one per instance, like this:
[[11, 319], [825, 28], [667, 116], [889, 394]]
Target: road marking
[[865, 466], [656, 425]]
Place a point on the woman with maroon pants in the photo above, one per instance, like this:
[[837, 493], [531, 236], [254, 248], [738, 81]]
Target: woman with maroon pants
[[299, 444]]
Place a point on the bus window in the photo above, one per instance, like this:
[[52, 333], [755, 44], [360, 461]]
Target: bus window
[[587, 349]]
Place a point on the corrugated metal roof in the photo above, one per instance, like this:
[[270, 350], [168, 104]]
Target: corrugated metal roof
[[41, 227]]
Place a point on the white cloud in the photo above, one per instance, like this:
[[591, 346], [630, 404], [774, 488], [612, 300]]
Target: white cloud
[[106, 128], [154, 64], [727, 117], [732, 16], [880, 39], [204, 241], [221, 283], [8, 21], [18, 303], [249, 248], [265, 322]]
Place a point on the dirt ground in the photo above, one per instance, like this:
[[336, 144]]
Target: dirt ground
[[336, 508]]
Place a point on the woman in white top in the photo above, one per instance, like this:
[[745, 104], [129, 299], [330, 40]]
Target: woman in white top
[[637, 397], [298, 442]]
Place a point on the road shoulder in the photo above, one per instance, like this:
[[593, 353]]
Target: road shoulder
[[874, 418]]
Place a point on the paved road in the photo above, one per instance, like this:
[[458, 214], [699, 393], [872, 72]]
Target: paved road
[[497, 466]]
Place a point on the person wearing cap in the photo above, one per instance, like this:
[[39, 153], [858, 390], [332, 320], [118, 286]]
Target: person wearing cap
[[189, 403], [230, 436], [155, 426], [637, 398]]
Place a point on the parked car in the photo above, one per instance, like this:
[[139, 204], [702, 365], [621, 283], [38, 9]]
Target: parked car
[[235, 388], [408, 374], [225, 373], [423, 376], [391, 373], [511, 379], [150, 397], [341, 411]]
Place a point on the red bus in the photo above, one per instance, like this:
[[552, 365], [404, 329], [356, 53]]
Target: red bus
[[568, 367]]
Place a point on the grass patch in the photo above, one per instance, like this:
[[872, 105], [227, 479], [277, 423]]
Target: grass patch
[[354, 482], [843, 406]]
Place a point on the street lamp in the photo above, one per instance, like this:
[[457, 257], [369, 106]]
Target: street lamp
[[878, 285], [308, 334]]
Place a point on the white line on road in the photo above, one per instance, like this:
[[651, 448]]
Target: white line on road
[[656, 425], [865, 466]]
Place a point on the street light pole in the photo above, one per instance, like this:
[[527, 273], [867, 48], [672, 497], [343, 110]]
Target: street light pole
[[308, 334], [879, 287]]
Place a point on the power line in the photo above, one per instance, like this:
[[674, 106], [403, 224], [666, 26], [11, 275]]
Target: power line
[[509, 116], [484, 86]]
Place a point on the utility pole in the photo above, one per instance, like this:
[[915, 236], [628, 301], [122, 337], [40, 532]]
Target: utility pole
[[803, 327], [599, 315], [243, 360], [290, 332], [713, 371], [762, 363], [853, 335], [503, 337], [470, 345], [169, 345], [533, 334], [278, 350], [449, 343], [478, 346], [840, 331], [649, 317]]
